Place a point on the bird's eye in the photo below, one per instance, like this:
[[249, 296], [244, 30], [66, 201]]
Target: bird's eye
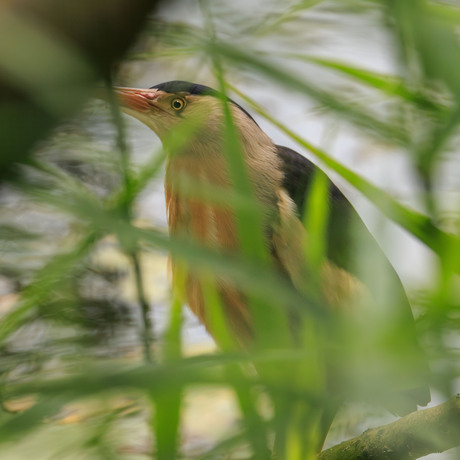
[[177, 104]]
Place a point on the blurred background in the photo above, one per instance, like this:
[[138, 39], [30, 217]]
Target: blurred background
[[87, 312]]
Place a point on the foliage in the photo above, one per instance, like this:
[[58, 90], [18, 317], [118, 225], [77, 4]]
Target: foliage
[[68, 306]]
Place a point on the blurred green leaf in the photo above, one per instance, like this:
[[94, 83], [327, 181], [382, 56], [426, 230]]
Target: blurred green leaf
[[389, 84], [10, 232], [430, 45], [352, 112], [44, 283], [419, 225], [315, 220], [282, 382], [14, 428], [49, 90]]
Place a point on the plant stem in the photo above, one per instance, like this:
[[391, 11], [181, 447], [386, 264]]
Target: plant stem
[[147, 323]]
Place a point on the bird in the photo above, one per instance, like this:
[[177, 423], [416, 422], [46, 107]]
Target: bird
[[280, 179]]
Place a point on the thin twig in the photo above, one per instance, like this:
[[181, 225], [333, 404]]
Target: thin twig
[[147, 332], [147, 324]]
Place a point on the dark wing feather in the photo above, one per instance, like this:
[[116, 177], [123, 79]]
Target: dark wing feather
[[347, 237], [344, 222]]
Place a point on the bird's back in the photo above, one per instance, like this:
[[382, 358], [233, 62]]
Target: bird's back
[[347, 237]]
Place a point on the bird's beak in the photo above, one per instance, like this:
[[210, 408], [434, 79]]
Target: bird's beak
[[136, 99], [139, 100]]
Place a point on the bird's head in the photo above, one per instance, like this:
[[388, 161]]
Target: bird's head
[[164, 106]]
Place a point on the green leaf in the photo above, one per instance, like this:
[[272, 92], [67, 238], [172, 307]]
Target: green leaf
[[352, 112], [388, 84], [315, 220], [419, 225], [10, 232], [45, 281]]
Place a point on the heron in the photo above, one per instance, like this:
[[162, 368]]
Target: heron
[[279, 178]]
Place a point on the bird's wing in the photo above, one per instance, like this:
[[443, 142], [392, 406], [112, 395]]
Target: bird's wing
[[347, 238], [289, 240], [344, 222], [347, 235]]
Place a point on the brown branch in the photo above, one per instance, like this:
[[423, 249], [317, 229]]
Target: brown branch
[[418, 434]]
